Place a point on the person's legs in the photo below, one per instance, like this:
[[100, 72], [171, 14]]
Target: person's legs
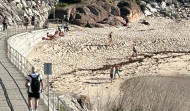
[[30, 103], [111, 76], [36, 104], [4, 26]]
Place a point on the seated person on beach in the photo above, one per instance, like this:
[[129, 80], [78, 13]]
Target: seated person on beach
[[61, 33], [66, 27], [50, 37]]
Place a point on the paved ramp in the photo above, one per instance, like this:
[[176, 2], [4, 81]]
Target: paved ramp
[[13, 94]]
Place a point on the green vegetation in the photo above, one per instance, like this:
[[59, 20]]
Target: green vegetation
[[168, 4], [138, 2], [143, 7], [160, 1], [111, 1], [61, 4], [62, 108]]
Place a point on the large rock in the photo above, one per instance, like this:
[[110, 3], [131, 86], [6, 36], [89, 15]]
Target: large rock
[[114, 21], [130, 9], [16, 9], [100, 11], [84, 101]]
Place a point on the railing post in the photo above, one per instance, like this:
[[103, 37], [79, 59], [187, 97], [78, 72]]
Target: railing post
[[58, 104], [21, 65], [53, 101]]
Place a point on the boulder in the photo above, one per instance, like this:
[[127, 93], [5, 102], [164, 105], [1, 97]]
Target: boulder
[[147, 13], [82, 19], [114, 21], [84, 102], [151, 9], [130, 9]]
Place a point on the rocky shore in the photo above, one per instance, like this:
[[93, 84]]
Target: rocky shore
[[82, 59]]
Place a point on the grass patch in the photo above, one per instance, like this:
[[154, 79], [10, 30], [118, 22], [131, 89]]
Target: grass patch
[[143, 7], [61, 4], [62, 108], [168, 4]]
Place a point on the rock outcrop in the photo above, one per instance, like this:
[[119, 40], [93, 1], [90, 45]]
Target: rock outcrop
[[93, 13], [174, 9], [130, 10], [15, 10]]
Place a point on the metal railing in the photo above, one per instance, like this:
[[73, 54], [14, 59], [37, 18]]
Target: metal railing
[[21, 62]]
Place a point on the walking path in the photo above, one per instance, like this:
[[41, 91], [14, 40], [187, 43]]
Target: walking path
[[13, 94]]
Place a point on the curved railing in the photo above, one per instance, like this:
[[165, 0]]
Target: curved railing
[[20, 61]]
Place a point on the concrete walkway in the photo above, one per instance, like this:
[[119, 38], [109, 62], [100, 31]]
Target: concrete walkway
[[13, 94]]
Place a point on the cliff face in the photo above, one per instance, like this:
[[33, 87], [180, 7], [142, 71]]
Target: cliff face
[[15, 10]]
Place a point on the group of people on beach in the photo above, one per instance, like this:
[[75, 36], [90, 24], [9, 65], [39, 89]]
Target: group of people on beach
[[114, 71], [58, 33], [134, 54]]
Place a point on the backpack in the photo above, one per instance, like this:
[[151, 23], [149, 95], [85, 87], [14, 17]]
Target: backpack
[[35, 84]]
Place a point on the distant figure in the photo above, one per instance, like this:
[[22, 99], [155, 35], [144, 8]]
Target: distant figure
[[35, 85], [46, 25], [61, 33], [111, 73], [145, 22], [134, 50], [110, 39], [127, 21], [66, 27], [38, 23], [5, 20], [116, 70], [26, 21], [67, 18], [33, 20]]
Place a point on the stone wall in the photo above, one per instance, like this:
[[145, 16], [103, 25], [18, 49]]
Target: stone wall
[[15, 10]]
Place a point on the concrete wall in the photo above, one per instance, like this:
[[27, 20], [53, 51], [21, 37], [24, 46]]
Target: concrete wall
[[25, 42]]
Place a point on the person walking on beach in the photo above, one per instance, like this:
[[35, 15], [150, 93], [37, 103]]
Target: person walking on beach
[[34, 84], [134, 50], [111, 73], [116, 71], [5, 23], [110, 39]]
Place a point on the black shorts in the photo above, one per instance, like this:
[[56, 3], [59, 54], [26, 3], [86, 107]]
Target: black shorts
[[111, 75], [34, 95]]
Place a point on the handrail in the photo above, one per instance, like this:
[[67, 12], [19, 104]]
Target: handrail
[[25, 66]]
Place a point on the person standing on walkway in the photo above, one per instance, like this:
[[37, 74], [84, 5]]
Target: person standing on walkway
[[5, 20], [34, 84], [26, 22], [33, 20]]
